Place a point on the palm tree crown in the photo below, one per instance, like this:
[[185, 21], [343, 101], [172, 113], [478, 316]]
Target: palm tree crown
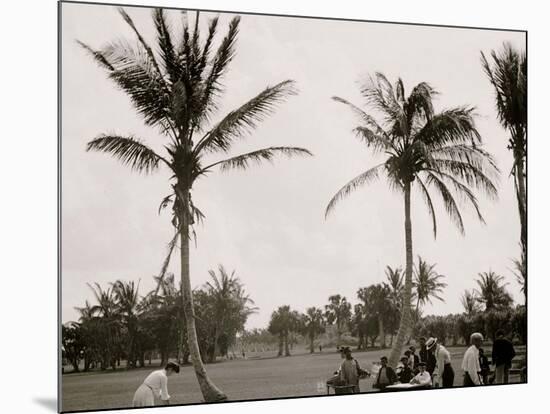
[[434, 150], [492, 291], [427, 282]]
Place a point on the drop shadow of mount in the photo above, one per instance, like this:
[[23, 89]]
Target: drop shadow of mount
[[49, 403]]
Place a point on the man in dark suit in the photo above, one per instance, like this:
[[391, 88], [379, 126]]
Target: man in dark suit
[[386, 375], [503, 353]]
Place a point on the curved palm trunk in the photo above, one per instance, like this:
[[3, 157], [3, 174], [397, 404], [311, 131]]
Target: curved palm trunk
[[209, 391], [382, 333], [287, 349], [522, 198], [405, 323]]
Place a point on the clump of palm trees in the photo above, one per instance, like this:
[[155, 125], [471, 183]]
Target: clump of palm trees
[[124, 325]]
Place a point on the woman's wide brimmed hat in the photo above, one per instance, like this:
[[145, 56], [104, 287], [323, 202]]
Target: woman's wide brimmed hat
[[431, 342]]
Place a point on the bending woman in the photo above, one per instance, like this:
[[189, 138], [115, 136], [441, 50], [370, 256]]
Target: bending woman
[[156, 384]]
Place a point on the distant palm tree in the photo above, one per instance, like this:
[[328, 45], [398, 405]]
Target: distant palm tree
[[127, 301], [508, 75], [228, 298], [282, 323], [437, 150], [314, 324], [470, 302], [338, 312], [427, 283], [492, 291], [376, 301], [107, 316], [394, 280], [176, 90]]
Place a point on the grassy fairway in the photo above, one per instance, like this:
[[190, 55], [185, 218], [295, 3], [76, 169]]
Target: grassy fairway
[[298, 375]]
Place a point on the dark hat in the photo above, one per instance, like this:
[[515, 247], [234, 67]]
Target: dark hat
[[173, 366], [345, 349], [422, 364], [384, 357], [405, 358]]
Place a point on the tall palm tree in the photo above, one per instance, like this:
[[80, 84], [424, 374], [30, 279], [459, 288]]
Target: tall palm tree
[[176, 90], [492, 291], [508, 75], [470, 302], [427, 283], [314, 324], [423, 150], [338, 312]]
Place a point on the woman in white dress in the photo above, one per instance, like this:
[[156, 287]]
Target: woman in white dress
[[156, 384]]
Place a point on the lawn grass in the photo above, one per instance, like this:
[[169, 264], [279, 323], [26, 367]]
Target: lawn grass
[[243, 379]]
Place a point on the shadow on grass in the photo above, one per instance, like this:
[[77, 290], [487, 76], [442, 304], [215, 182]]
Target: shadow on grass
[[49, 403]]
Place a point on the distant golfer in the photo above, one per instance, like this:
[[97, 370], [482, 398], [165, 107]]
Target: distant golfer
[[156, 384]]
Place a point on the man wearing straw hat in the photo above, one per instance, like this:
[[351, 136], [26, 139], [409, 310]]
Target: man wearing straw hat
[[444, 374], [470, 362]]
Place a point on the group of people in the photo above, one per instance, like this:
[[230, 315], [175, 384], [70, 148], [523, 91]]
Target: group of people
[[475, 363], [431, 366]]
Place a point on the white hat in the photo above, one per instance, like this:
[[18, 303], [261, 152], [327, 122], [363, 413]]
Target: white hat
[[430, 343]]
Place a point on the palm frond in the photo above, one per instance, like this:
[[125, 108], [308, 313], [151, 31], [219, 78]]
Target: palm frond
[[420, 102], [133, 72], [426, 195], [267, 154], [245, 118], [220, 62], [97, 55], [128, 150], [145, 45], [362, 179], [469, 173], [452, 126], [462, 190], [167, 50], [448, 200]]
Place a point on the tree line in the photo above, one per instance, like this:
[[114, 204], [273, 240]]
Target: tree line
[[376, 316], [123, 326]]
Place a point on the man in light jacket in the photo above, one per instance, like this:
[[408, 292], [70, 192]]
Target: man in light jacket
[[470, 362], [444, 374]]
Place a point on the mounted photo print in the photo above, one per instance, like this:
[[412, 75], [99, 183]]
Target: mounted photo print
[[257, 207]]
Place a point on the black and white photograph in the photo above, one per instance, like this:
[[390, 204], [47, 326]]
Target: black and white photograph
[[257, 207]]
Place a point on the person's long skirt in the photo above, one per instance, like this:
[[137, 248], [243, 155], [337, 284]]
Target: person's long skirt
[[448, 376], [143, 397]]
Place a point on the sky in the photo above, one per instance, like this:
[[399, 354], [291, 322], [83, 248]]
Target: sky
[[267, 223]]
